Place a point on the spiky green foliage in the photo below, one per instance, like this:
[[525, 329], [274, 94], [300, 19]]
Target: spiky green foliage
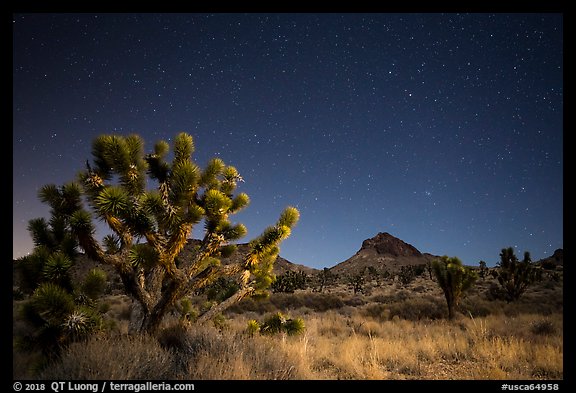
[[57, 319], [31, 267], [515, 276], [80, 323], [186, 310], [143, 256], [149, 228], [454, 279], [94, 283], [111, 244], [294, 326], [221, 289], [55, 247], [273, 324], [57, 270], [252, 327], [279, 323], [289, 282], [52, 303], [58, 311]]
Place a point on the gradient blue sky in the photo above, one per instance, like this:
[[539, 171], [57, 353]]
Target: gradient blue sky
[[445, 130]]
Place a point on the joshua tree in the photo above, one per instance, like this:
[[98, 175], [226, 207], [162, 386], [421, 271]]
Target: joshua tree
[[356, 282], [55, 250], [377, 275], [323, 279], [289, 282], [515, 276], [454, 279], [149, 228], [429, 269], [59, 311], [483, 269]]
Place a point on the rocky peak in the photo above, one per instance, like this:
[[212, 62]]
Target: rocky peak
[[385, 243]]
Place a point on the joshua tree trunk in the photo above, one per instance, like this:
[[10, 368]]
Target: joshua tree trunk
[[450, 304], [208, 315], [137, 318]]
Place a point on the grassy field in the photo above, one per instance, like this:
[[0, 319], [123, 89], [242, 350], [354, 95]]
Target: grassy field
[[391, 332]]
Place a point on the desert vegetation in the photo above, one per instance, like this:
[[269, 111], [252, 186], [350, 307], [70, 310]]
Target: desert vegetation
[[149, 303], [396, 332]]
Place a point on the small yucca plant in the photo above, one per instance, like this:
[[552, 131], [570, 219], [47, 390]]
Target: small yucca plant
[[279, 323], [274, 324], [294, 326], [252, 327], [83, 321], [94, 283], [186, 310], [51, 303], [76, 324]]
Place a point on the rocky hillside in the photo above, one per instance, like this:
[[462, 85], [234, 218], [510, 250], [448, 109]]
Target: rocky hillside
[[383, 251], [555, 261]]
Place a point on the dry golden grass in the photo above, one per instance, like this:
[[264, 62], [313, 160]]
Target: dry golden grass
[[332, 347], [393, 333]]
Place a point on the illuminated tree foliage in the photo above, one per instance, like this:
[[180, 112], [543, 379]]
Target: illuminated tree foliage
[[150, 227], [454, 279]]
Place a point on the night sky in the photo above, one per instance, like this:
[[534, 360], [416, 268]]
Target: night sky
[[445, 130]]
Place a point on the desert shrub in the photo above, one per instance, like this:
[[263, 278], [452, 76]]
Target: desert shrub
[[543, 327], [407, 274], [377, 311], [354, 301], [204, 353], [259, 306], [495, 292], [289, 282], [398, 296], [185, 310], [418, 308], [220, 322], [314, 301], [121, 358], [478, 307], [175, 337], [412, 309]]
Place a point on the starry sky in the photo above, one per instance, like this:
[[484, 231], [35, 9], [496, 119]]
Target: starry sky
[[445, 130]]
